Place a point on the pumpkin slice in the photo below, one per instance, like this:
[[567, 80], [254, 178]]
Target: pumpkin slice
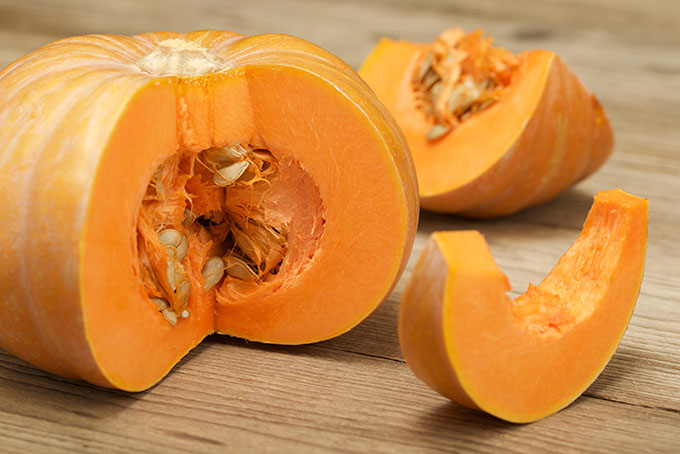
[[490, 132], [524, 359], [162, 187]]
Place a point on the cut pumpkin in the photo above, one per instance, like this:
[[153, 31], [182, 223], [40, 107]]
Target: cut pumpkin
[[490, 132], [524, 359], [162, 187]]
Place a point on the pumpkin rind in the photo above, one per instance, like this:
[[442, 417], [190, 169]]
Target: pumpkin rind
[[546, 133], [84, 128], [524, 359]]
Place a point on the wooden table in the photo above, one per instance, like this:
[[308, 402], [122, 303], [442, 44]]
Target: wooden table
[[355, 393]]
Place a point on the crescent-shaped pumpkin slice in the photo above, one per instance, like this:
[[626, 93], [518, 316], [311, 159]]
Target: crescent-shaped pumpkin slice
[[162, 187], [490, 132], [524, 359]]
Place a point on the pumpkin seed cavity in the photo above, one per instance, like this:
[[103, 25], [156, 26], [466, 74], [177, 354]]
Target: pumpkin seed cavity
[[201, 221], [459, 76]]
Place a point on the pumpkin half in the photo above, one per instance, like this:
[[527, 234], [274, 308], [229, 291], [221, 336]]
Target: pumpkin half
[[490, 132], [524, 359], [162, 187]]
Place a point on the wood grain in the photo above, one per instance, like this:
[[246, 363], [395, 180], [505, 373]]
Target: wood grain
[[355, 393]]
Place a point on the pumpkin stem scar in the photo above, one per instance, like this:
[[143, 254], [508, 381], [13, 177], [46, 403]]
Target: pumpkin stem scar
[[178, 57]]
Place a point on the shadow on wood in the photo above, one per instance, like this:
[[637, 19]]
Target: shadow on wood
[[569, 210], [456, 425], [29, 390]]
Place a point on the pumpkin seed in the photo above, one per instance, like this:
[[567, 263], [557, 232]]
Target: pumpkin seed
[[160, 303], [176, 244], [229, 174], [437, 131], [425, 68], [189, 217], [183, 291], [174, 273], [464, 95], [246, 242], [224, 155], [185, 313], [431, 79], [212, 272], [485, 104], [170, 316], [436, 90], [170, 273], [258, 242], [170, 237], [237, 268], [160, 189], [182, 248]]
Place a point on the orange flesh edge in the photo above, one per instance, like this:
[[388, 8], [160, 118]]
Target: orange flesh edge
[[462, 148], [525, 359], [545, 132], [132, 343], [343, 256]]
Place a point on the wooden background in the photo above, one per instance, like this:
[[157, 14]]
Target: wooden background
[[355, 393]]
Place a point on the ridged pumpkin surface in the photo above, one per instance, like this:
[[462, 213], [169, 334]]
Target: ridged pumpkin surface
[[91, 126]]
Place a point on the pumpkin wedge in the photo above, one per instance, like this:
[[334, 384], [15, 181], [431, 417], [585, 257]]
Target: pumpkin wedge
[[162, 187], [490, 132], [524, 359]]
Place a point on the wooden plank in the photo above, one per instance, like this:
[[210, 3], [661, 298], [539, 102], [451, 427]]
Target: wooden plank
[[229, 393]]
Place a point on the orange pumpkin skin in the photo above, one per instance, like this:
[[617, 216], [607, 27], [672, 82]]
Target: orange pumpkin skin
[[83, 127], [524, 359], [545, 133]]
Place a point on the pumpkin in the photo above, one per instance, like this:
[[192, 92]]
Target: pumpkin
[[524, 359], [490, 132], [162, 187]]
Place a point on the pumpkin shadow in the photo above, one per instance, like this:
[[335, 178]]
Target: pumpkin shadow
[[569, 209], [28, 390], [454, 426], [236, 342], [328, 350]]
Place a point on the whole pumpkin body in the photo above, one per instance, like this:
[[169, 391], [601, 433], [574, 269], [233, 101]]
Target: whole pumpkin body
[[86, 121]]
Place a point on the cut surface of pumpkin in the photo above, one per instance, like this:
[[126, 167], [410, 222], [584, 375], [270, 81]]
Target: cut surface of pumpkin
[[185, 184], [491, 132], [524, 359]]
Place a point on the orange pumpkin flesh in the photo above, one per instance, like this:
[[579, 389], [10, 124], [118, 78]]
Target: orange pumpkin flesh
[[89, 127], [524, 359], [544, 132]]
